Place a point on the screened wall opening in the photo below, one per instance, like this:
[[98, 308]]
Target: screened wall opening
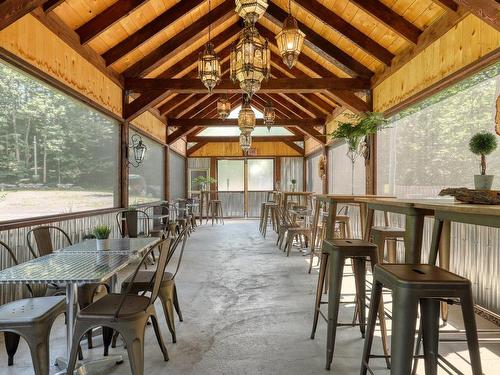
[[426, 146], [57, 154], [146, 181]]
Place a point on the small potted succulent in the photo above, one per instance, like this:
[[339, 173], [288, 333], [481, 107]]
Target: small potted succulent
[[483, 144], [294, 183], [101, 233]]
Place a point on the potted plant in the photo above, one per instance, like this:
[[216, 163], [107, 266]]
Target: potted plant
[[355, 133], [101, 233], [294, 183], [203, 181], [483, 144]]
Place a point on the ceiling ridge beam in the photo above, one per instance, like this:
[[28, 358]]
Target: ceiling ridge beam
[[363, 41], [12, 10], [50, 5], [391, 19], [107, 18], [188, 35], [321, 45], [264, 138], [149, 30]]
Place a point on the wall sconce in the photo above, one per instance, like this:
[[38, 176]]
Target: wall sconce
[[139, 150]]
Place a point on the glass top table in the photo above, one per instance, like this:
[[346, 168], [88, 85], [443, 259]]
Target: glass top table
[[127, 246]]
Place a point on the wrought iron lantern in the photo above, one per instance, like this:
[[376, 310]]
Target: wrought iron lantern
[[250, 60], [246, 116], [290, 40], [223, 108], [209, 70], [139, 150], [251, 10], [269, 115], [246, 141]]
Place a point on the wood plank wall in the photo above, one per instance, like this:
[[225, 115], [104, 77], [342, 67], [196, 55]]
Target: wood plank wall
[[31, 41], [233, 149], [463, 45]]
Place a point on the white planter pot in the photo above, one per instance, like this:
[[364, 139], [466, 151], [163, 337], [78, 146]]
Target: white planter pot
[[103, 244], [483, 182]]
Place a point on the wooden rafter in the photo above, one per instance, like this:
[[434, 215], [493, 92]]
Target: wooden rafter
[[280, 110], [179, 133], [187, 122], [327, 16], [321, 45], [391, 19], [149, 30], [203, 108], [170, 105], [211, 110], [313, 133], [295, 147], [50, 5], [187, 105], [345, 98], [106, 19], [487, 10], [191, 150], [273, 85], [305, 105], [12, 10], [447, 4], [142, 104], [188, 35]]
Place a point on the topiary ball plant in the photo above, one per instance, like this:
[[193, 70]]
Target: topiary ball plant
[[483, 144]]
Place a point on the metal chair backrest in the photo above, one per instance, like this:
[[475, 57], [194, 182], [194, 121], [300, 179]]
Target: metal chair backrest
[[43, 239], [163, 248], [182, 237], [10, 254], [130, 221]]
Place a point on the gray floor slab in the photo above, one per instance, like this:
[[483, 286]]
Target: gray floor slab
[[248, 310]]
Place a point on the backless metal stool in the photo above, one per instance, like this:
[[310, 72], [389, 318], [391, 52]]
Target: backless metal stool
[[359, 251], [387, 234], [425, 284], [215, 211], [269, 213]]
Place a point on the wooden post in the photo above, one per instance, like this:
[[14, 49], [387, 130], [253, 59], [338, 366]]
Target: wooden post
[[167, 172], [277, 172], [325, 177], [371, 166], [304, 174], [123, 188]]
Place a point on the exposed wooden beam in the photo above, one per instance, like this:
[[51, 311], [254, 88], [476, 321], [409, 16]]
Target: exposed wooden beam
[[487, 10], [302, 103], [142, 104], [188, 105], [186, 36], [291, 108], [12, 10], [429, 36], [203, 108], [169, 105], [179, 133], [273, 85], [58, 27], [336, 22], [149, 30], [210, 111], [391, 19], [280, 110], [294, 146], [269, 138], [186, 122], [321, 45], [106, 19], [311, 132], [345, 98], [50, 5], [191, 150], [447, 4]]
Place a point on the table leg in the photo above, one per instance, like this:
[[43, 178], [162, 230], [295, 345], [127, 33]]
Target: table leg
[[444, 260], [362, 218], [413, 238], [71, 309], [368, 224]]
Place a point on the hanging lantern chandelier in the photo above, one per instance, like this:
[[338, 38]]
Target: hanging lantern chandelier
[[209, 64], [269, 115], [223, 108], [251, 10], [246, 123], [250, 60], [290, 40]]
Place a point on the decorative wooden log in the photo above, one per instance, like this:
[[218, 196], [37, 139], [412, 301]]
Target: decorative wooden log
[[473, 196]]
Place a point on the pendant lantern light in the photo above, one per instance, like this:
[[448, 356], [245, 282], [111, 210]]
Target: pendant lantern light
[[246, 123], [290, 40], [209, 70], [250, 60], [251, 10], [223, 108], [245, 141], [269, 115]]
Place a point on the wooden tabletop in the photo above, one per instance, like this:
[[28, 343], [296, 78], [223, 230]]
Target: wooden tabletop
[[390, 201], [459, 207], [342, 198]]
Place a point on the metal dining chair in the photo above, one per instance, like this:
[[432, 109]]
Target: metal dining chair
[[128, 223], [31, 319], [168, 290], [43, 236], [127, 314]]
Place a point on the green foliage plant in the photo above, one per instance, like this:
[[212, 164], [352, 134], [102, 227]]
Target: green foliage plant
[[203, 181], [482, 144], [101, 232]]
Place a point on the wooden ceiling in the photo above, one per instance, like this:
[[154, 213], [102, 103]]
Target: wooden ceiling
[[151, 47]]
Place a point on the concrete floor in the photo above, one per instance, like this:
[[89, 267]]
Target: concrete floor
[[247, 310]]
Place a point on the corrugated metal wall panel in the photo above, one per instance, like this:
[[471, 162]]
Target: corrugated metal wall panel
[[177, 173]]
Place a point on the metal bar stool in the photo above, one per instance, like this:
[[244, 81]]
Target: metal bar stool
[[215, 211], [269, 212], [426, 284], [359, 251]]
